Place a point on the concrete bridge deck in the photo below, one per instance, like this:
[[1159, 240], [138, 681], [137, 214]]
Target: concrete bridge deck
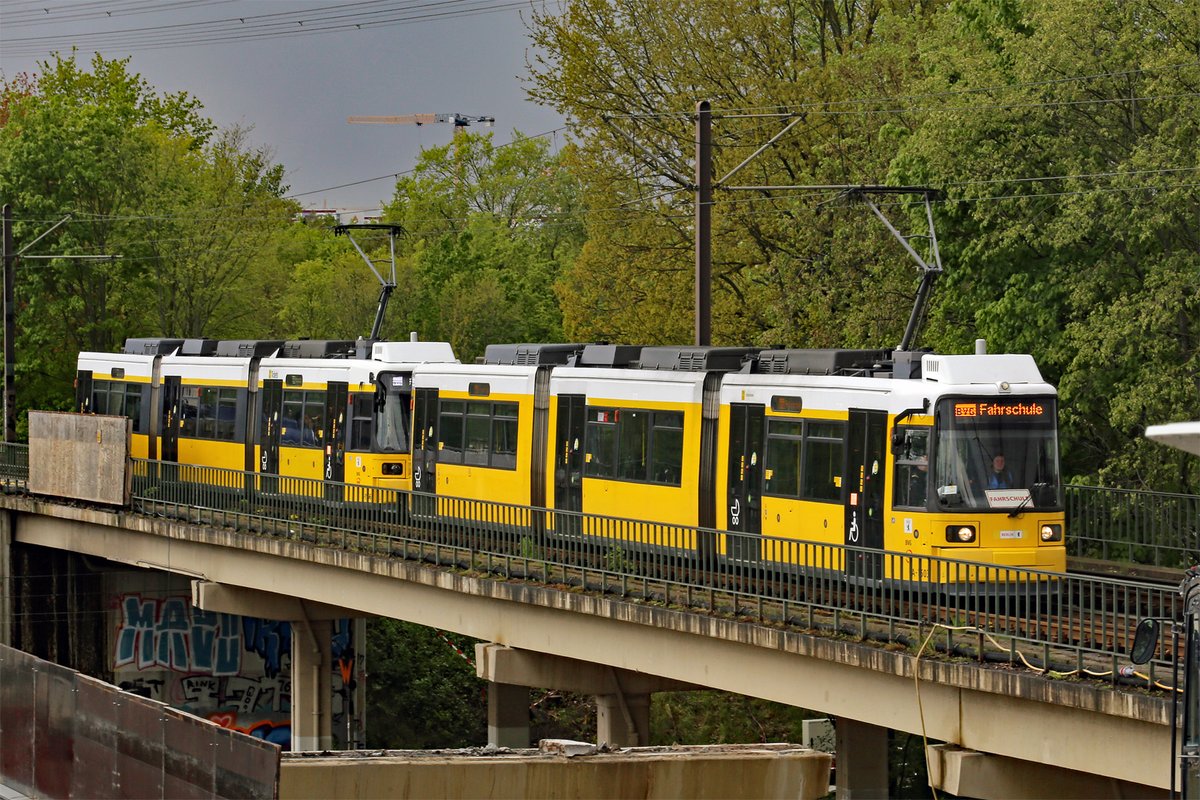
[[1046, 737]]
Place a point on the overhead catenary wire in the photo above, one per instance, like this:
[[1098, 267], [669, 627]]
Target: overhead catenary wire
[[307, 22], [571, 218]]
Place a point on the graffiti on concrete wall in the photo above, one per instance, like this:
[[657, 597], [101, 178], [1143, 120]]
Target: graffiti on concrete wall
[[233, 670]]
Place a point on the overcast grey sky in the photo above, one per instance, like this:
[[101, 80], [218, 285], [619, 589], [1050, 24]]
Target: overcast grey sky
[[255, 63]]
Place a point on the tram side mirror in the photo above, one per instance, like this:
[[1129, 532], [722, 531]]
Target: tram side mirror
[[897, 441], [1145, 641]]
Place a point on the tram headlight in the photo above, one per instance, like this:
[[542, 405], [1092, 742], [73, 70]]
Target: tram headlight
[[960, 533], [1052, 533], [393, 468]]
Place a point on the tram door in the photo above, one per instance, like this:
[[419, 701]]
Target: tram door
[[568, 460], [172, 396], [336, 399], [271, 397], [425, 451], [866, 463], [744, 499]]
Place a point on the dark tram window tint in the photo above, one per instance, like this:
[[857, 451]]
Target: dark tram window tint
[[450, 426], [189, 410], [314, 419], [633, 444], [119, 399], [504, 436], [783, 458], [666, 448], [478, 434], [133, 405], [823, 449], [290, 432], [227, 414], [206, 419], [600, 444], [362, 411]]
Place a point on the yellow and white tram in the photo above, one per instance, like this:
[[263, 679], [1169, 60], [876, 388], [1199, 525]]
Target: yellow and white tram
[[907, 452], [317, 410]]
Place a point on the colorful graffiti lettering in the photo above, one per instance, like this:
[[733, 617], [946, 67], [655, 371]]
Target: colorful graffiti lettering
[[269, 640], [274, 732], [233, 670], [171, 634]]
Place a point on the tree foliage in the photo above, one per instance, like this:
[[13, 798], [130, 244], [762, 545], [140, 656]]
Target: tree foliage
[[1063, 135], [1069, 135], [489, 230], [177, 213]]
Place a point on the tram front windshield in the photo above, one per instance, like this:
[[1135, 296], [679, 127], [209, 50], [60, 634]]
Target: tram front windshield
[[392, 413], [999, 454]]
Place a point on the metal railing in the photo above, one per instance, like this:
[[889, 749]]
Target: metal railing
[[1138, 527], [1049, 621]]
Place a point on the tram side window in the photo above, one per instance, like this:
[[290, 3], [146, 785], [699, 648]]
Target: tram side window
[[504, 436], [633, 439], [118, 399], [600, 459], [189, 410], [362, 412], [303, 423], [911, 485], [478, 433], [634, 445], [666, 457], [314, 419], [821, 478], [450, 428], [784, 440], [208, 412]]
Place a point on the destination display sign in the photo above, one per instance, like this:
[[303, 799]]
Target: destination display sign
[[1000, 409]]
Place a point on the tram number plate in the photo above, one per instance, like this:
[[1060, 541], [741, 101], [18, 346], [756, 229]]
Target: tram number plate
[[1011, 534]]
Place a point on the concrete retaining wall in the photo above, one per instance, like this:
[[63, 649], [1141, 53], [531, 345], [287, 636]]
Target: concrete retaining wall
[[80, 456], [720, 771]]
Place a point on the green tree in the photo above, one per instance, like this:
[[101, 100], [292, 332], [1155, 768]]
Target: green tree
[[488, 232], [1064, 135], [791, 267], [224, 203], [182, 211], [421, 693], [1069, 138]]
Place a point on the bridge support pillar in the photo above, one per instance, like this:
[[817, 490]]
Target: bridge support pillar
[[312, 691], [622, 696], [623, 720], [862, 761], [508, 715]]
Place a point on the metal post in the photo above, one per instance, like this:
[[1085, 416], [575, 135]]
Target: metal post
[[1174, 704], [10, 330], [703, 223]]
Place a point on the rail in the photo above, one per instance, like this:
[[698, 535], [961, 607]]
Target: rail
[[1063, 625]]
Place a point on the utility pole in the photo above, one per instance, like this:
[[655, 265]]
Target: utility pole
[[10, 256], [704, 192], [10, 330]]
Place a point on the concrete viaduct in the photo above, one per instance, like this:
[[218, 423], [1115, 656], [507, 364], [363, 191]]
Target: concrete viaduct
[[1008, 734]]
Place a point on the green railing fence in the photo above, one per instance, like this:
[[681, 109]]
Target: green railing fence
[[1071, 624]]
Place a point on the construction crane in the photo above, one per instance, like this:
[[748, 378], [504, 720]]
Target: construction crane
[[459, 120]]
